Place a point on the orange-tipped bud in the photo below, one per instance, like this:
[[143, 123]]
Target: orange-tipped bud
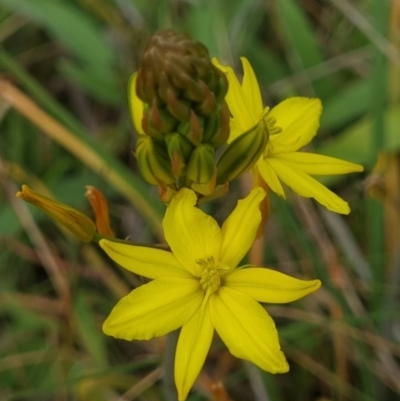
[[76, 222], [179, 150], [100, 208]]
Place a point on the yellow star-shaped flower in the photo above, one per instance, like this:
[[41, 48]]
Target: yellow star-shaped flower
[[197, 287], [292, 125]]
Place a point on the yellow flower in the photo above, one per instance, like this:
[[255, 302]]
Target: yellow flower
[[197, 288], [292, 124]]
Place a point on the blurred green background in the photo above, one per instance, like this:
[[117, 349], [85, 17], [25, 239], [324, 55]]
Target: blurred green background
[[65, 123]]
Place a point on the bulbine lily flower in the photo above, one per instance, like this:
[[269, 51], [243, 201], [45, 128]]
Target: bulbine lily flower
[[197, 287], [292, 124]]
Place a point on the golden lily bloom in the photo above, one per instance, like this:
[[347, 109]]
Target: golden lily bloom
[[198, 288], [292, 124]]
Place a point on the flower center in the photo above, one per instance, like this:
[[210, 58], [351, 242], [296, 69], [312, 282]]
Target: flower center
[[210, 277]]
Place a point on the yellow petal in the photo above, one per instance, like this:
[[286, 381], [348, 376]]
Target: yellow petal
[[247, 329], [191, 234], [136, 105], [269, 176], [308, 187], [154, 309], [314, 164], [145, 261], [235, 130], [193, 345], [299, 119], [266, 285], [240, 228], [241, 111], [251, 89]]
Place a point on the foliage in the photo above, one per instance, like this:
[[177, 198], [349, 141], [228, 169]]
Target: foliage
[[64, 69]]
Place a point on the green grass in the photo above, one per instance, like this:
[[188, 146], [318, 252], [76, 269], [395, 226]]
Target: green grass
[[73, 59]]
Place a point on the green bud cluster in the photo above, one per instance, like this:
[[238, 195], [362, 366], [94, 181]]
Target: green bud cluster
[[186, 119]]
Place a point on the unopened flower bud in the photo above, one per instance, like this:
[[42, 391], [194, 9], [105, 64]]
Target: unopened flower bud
[[177, 98], [192, 129], [242, 153], [201, 164], [179, 151], [157, 121], [216, 129], [153, 164], [100, 208], [73, 220]]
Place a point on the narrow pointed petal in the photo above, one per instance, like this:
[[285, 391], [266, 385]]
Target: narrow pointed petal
[[240, 228], [270, 177], [191, 234], [251, 89], [145, 261], [235, 130], [308, 187], [193, 345], [136, 105], [247, 329], [312, 163], [266, 285], [244, 116], [299, 119], [154, 309]]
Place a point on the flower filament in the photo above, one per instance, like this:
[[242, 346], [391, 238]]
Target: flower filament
[[269, 125]]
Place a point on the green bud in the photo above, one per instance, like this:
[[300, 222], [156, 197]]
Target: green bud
[[179, 150], [192, 129], [153, 165], [201, 164], [179, 108], [157, 121], [221, 87], [208, 104], [216, 130], [196, 92], [145, 86], [242, 153]]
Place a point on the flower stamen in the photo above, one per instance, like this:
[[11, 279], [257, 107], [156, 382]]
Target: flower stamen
[[210, 277], [272, 128]]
